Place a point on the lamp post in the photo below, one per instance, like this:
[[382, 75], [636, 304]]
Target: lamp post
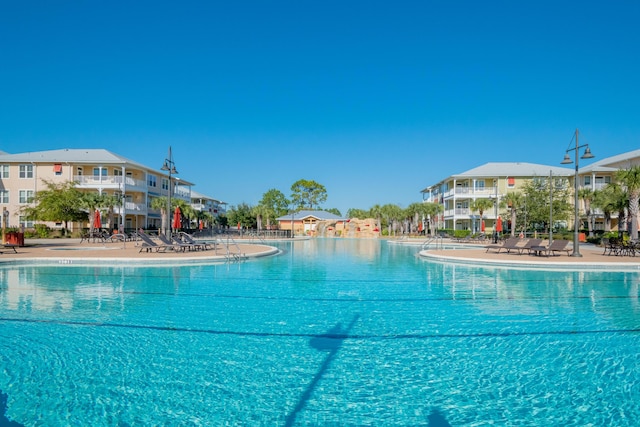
[[576, 219], [170, 167]]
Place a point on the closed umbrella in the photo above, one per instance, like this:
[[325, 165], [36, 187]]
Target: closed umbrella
[[201, 225], [97, 223], [499, 225], [177, 222], [482, 226]]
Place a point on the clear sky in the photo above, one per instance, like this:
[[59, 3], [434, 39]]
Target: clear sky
[[375, 100]]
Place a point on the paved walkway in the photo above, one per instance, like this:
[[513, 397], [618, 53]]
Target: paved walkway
[[68, 250]]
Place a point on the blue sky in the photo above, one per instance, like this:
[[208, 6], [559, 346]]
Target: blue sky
[[375, 100]]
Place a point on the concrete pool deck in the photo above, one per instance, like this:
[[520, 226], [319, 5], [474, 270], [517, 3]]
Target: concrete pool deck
[[68, 250], [592, 258]]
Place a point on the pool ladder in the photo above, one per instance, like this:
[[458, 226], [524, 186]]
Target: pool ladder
[[232, 256], [437, 240]]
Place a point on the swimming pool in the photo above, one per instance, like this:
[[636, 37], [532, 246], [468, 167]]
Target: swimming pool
[[331, 332]]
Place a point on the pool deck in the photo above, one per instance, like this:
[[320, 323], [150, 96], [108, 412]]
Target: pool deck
[[68, 250], [592, 258]]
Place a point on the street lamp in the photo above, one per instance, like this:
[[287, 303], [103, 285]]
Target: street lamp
[[170, 167], [576, 219]]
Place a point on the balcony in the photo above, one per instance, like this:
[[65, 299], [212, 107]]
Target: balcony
[[470, 192], [109, 181]]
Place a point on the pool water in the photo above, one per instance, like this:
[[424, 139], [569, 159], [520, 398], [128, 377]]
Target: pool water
[[331, 332]]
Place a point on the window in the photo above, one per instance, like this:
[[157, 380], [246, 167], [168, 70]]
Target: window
[[57, 169], [152, 180], [25, 196], [117, 172], [79, 171], [480, 184], [4, 196], [26, 171], [511, 181], [25, 223], [165, 184], [4, 171], [587, 180]]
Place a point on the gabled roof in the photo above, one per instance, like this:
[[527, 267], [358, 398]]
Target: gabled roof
[[504, 169], [91, 156], [319, 215], [72, 155], [631, 157]]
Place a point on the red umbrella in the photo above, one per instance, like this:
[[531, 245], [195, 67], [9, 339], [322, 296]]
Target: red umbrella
[[177, 223], [482, 226], [499, 225], [97, 223], [239, 226], [201, 225], [420, 227]]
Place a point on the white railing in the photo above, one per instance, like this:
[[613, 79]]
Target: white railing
[[108, 181]]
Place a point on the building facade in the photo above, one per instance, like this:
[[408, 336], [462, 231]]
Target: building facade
[[92, 170]]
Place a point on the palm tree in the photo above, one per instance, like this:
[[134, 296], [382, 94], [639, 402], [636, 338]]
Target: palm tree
[[587, 195], [376, 212], [514, 200], [391, 213], [481, 205], [630, 179], [160, 203]]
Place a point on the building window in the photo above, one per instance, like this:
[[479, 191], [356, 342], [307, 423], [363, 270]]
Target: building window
[[26, 171], [25, 223], [79, 171], [152, 180], [4, 171], [57, 169], [117, 172], [4, 197], [511, 181], [25, 196], [165, 184], [587, 180], [480, 184]]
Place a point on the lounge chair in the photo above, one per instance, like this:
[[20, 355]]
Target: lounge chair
[[555, 246], [531, 243], [188, 239], [11, 246], [511, 244], [149, 245], [174, 245]]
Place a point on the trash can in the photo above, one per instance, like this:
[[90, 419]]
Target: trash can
[[15, 238]]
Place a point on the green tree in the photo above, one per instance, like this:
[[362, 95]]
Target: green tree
[[357, 213], [392, 214], [241, 214], [481, 205], [334, 211], [273, 204], [514, 201], [160, 203], [307, 194], [60, 202], [630, 180], [611, 198], [587, 195], [537, 197]]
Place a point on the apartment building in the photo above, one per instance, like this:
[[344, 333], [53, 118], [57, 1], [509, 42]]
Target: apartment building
[[93, 170], [493, 181]]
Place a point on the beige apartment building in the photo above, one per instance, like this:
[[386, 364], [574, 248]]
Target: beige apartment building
[[93, 170], [457, 193]]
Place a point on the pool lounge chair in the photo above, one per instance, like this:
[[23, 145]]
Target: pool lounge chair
[[531, 243], [175, 245], [555, 246], [11, 246], [188, 239], [149, 245], [511, 244]]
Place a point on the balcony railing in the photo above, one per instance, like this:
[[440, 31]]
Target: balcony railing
[[111, 181]]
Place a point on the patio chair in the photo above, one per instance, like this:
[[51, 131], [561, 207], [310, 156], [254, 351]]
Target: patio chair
[[11, 246], [149, 245], [188, 239], [531, 243], [555, 246], [174, 245], [512, 243]]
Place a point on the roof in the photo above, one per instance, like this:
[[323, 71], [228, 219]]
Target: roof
[[304, 214], [631, 157], [95, 156], [497, 169]]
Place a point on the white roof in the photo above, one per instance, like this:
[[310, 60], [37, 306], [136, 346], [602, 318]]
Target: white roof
[[505, 169]]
